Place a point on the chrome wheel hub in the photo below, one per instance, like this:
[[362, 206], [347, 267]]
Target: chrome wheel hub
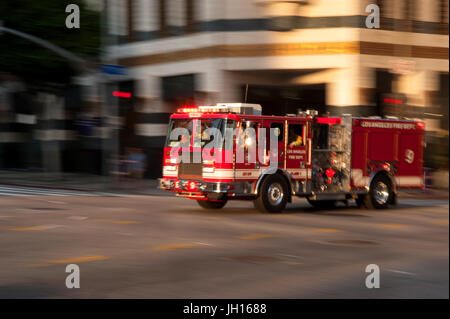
[[381, 193], [275, 194]]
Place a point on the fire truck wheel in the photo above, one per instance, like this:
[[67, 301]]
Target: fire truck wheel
[[379, 196], [273, 194], [322, 204], [208, 204]]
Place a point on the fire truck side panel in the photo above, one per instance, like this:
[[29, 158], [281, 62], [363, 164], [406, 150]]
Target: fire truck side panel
[[360, 179], [410, 170], [387, 145]]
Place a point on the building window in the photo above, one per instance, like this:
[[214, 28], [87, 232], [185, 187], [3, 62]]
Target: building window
[[179, 90], [176, 17], [117, 18], [385, 23], [443, 16], [410, 10], [162, 18], [190, 16], [130, 20]]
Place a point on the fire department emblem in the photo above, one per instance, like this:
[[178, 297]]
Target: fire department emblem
[[409, 156]]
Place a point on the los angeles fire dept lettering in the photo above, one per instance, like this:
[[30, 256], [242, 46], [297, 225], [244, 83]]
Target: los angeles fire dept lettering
[[394, 125]]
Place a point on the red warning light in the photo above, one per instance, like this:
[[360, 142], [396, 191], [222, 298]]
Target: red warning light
[[125, 95], [421, 125], [329, 120], [392, 101], [188, 109]]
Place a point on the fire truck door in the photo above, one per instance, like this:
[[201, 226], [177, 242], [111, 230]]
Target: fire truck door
[[279, 131], [296, 150], [246, 161]]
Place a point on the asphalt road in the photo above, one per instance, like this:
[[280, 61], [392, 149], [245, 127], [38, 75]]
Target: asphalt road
[[167, 247]]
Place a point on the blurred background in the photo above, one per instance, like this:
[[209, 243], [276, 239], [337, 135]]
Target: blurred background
[[61, 118]]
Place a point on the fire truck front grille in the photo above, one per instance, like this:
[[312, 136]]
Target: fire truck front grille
[[190, 170]]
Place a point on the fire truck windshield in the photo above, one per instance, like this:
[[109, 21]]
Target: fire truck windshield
[[204, 130], [174, 139]]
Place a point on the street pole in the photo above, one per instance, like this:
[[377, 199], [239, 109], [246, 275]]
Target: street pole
[[110, 110], [79, 63]]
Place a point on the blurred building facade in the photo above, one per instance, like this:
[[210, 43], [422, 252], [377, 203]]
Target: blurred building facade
[[285, 55]]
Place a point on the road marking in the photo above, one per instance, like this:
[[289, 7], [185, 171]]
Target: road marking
[[290, 256], [175, 246], [45, 210], [78, 259], [393, 226], [37, 265], [326, 230], [204, 244], [440, 222], [119, 209], [77, 217], [34, 228], [402, 272], [292, 262], [255, 236], [113, 221]]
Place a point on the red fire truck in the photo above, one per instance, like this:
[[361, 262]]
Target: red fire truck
[[324, 159]]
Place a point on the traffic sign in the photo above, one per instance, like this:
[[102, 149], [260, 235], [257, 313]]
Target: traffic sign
[[113, 69]]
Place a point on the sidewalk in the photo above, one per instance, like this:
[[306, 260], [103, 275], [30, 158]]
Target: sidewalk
[[79, 182], [95, 183]]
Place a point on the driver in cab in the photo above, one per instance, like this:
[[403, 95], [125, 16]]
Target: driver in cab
[[295, 139]]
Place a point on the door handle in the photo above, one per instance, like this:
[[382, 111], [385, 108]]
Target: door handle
[[281, 153]]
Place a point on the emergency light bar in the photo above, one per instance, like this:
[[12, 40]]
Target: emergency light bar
[[242, 108], [238, 108], [213, 109]]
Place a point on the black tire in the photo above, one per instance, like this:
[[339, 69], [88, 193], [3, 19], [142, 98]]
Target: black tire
[[322, 204], [381, 194], [209, 204], [273, 194]]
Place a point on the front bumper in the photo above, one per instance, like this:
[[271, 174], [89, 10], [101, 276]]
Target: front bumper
[[180, 186]]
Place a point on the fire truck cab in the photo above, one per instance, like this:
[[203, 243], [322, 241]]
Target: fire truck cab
[[324, 159]]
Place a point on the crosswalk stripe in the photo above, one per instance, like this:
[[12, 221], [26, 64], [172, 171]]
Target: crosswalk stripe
[[11, 194], [26, 191], [37, 191]]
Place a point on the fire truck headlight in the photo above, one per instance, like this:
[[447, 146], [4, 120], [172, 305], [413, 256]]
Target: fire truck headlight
[[208, 169], [173, 160]]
